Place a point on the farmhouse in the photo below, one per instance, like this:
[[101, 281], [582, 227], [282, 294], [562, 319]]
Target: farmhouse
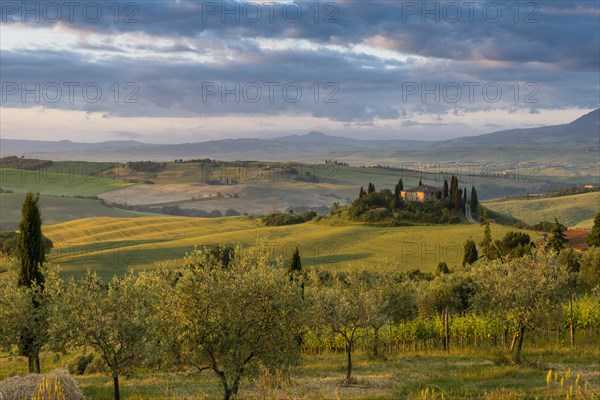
[[420, 193]]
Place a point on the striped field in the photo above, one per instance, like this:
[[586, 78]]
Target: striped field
[[113, 245], [573, 211]]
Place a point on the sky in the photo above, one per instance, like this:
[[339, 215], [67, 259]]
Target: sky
[[177, 71]]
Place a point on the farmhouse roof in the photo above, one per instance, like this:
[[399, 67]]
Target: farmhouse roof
[[423, 188]]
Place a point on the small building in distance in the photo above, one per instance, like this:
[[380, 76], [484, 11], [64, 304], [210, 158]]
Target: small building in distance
[[420, 193]]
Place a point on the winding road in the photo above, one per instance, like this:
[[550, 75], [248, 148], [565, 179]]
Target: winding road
[[469, 216]]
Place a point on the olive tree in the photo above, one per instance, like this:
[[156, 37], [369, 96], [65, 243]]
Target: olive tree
[[233, 320], [525, 291], [111, 317], [387, 299], [447, 293], [589, 273], [342, 305]]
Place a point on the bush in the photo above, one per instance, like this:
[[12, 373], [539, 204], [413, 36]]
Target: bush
[[79, 364], [230, 212], [546, 226], [278, 219], [376, 215], [9, 240], [96, 366], [145, 166]]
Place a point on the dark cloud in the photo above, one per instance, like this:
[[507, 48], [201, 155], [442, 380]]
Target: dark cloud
[[546, 56]]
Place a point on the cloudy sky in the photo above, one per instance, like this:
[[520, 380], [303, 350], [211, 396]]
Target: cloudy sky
[[177, 71]]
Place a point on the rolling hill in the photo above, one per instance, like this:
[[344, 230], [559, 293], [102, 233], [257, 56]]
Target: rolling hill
[[57, 209], [113, 245], [574, 211], [258, 189]]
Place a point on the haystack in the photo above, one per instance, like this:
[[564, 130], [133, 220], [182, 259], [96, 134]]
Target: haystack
[[23, 387]]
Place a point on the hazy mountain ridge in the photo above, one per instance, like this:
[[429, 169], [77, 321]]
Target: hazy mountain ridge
[[581, 135]]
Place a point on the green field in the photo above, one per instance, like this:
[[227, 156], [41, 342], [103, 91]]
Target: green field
[[112, 245], [57, 209], [258, 188], [60, 179], [573, 211]]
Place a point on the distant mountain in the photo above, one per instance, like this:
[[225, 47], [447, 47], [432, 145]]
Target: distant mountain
[[584, 130], [578, 140], [25, 147]]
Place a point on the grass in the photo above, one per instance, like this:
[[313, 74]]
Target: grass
[[258, 192], [57, 209], [461, 375], [60, 179], [112, 245], [573, 211]]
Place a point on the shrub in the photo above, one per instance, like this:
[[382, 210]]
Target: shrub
[[278, 219], [230, 212], [376, 215], [79, 364], [9, 240]]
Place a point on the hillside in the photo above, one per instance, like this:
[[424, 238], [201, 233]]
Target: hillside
[[56, 209], [112, 245], [575, 211], [583, 131], [256, 188]]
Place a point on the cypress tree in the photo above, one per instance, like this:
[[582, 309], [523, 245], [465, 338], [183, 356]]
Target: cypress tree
[[442, 268], [295, 269], [454, 194], [32, 254], [361, 194], [420, 183], [396, 201], [594, 238], [487, 245], [464, 200], [295, 264], [371, 188], [31, 246], [445, 192], [557, 239], [400, 184], [470, 255], [474, 202]]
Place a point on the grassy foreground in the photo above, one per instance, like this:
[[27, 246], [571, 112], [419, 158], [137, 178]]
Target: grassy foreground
[[462, 375], [113, 245]]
